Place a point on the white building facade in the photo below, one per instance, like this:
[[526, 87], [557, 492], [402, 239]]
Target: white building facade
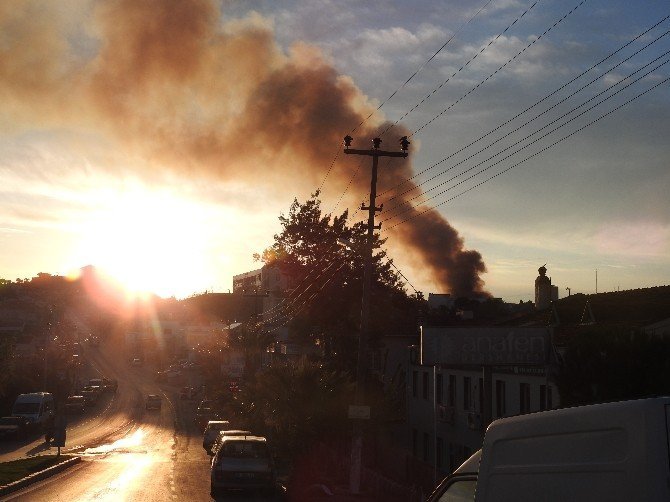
[[447, 400]]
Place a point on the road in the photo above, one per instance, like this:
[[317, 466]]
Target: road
[[128, 453]]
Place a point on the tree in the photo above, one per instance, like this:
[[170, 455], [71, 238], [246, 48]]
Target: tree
[[325, 304], [609, 365], [295, 405]]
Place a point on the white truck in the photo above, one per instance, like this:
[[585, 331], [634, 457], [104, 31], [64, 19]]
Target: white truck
[[611, 452], [37, 407]]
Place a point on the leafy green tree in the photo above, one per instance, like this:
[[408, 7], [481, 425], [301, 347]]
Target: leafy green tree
[[323, 256], [609, 365]]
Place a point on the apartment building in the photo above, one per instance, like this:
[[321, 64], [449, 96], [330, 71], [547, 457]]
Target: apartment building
[[447, 394]]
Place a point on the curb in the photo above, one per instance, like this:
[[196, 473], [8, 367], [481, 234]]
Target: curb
[[37, 476]]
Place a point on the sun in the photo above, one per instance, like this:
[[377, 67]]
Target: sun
[[148, 241]]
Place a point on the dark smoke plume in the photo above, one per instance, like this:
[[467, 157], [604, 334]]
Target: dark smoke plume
[[174, 84]]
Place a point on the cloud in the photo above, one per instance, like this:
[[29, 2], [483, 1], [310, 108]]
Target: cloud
[[176, 88]]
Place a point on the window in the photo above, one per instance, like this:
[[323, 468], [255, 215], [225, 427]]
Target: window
[[415, 383], [426, 447], [440, 453], [452, 390], [524, 398], [453, 460], [438, 388], [467, 393], [481, 395], [545, 397], [415, 440], [425, 388], [500, 398], [461, 490]]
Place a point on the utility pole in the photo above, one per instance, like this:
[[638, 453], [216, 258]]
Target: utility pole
[[361, 368]]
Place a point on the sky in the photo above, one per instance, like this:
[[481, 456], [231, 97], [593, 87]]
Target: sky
[[160, 141]]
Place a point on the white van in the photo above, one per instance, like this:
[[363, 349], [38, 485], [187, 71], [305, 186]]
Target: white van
[[37, 407], [618, 452]]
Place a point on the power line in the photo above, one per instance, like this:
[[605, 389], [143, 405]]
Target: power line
[[404, 84], [423, 65], [498, 69], [667, 79], [530, 107], [405, 202], [465, 65]]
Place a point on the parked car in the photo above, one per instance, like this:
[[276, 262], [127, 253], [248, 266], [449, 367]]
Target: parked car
[[37, 407], [105, 384], [97, 382], [13, 427], [211, 431], [110, 384], [242, 463], [204, 413], [91, 394], [75, 404], [153, 402], [223, 434]]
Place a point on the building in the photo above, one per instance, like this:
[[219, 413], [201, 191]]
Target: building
[[463, 377], [545, 292], [440, 300], [247, 282], [448, 406]]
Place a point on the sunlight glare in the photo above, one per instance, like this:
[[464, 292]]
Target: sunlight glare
[[150, 242], [125, 444]]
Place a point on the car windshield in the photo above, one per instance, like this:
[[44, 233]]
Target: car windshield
[[26, 407], [244, 449]]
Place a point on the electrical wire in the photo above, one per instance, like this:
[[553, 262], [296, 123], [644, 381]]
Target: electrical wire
[[407, 201], [529, 108], [465, 65], [423, 65], [404, 84], [498, 69], [416, 215]]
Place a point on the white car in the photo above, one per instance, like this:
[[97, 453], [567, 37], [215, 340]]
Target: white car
[[211, 431], [224, 434], [242, 462]]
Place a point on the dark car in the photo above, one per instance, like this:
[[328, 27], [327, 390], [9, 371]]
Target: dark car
[[75, 404], [153, 402], [206, 411], [13, 427], [110, 384]]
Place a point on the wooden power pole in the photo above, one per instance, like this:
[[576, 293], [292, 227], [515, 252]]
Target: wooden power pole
[[361, 368]]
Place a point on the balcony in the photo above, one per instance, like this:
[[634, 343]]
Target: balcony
[[474, 421], [445, 414]]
